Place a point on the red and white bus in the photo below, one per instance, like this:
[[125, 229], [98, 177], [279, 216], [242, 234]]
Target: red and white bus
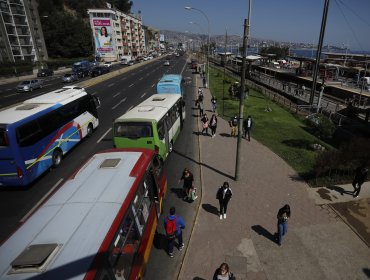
[[99, 224]]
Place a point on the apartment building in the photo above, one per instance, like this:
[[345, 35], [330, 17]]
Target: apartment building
[[21, 36], [152, 39], [116, 34]]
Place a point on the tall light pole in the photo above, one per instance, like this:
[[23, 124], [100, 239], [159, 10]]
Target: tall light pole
[[191, 8], [201, 29]]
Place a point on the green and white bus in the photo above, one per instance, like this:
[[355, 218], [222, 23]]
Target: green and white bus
[[154, 124]]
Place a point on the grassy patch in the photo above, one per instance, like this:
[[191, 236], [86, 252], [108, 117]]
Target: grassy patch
[[278, 129]]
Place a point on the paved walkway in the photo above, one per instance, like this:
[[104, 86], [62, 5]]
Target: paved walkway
[[318, 245]]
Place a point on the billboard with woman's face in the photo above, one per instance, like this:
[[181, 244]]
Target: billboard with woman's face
[[103, 36]]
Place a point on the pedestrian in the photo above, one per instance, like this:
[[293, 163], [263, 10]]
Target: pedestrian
[[247, 127], [234, 126], [205, 124], [201, 108], [174, 225], [214, 103], [199, 70], [282, 225], [223, 273], [359, 179], [204, 82], [200, 95], [192, 194], [213, 125], [224, 195], [188, 180]]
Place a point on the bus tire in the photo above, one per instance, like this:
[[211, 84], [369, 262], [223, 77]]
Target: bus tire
[[89, 130], [170, 147], [57, 158]]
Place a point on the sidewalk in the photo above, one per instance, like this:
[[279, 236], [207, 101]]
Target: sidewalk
[[318, 245]]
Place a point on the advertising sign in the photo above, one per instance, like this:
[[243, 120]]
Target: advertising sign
[[103, 36]]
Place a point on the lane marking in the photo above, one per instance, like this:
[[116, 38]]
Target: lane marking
[[119, 103], [110, 85], [41, 201], [129, 108], [105, 134], [95, 92], [143, 95], [131, 85], [11, 94], [140, 78], [153, 85], [124, 78], [118, 93]]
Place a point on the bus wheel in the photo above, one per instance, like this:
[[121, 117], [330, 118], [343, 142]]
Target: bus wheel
[[170, 147], [89, 130], [57, 158]]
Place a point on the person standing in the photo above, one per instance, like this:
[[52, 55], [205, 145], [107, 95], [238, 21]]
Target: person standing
[[205, 124], [282, 225], [214, 104], [223, 273], [234, 126], [247, 127], [204, 82], [224, 195], [359, 179], [213, 125], [174, 225], [188, 181], [201, 108]]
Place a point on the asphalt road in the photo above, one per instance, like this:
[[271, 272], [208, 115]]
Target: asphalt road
[[117, 96]]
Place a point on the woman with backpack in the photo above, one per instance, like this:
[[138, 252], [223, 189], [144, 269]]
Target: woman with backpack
[[223, 273], [224, 195]]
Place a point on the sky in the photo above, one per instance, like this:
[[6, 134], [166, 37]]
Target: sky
[[348, 22]]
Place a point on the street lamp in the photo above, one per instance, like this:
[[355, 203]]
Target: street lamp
[[202, 32], [192, 8]]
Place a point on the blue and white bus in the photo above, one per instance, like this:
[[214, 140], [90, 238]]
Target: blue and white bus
[[171, 83], [35, 134]]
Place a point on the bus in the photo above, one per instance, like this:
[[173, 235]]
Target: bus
[[100, 224], [171, 83], [154, 124], [36, 134]]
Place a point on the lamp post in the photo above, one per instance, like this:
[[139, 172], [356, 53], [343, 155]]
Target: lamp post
[[192, 8], [201, 29]]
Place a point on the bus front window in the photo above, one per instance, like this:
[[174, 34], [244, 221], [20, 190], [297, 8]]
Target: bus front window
[[133, 130]]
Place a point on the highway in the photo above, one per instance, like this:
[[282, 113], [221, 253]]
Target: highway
[[117, 95]]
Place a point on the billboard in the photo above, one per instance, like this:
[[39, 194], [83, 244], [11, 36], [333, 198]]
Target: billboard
[[103, 37]]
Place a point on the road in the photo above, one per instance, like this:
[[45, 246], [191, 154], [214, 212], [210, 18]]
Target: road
[[117, 95]]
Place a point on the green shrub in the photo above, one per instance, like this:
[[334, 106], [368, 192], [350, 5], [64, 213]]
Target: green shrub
[[320, 126]]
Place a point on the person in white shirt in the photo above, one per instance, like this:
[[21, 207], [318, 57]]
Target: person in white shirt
[[103, 39]]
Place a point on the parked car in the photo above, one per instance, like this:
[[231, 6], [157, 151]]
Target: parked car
[[70, 77], [108, 64], [124, 61], [45, 73], [166, 63], [82, 72], [100, 70], [130, 62], [29, 85]]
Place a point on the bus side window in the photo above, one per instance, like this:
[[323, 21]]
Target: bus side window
[[161, 129]]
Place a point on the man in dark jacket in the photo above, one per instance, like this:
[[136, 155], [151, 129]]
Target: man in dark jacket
[[247, 127], [224, 195], [178, 222], [359, 179]]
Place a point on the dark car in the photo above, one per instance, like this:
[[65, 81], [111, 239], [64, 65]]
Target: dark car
[[82, 72], [100, 70], [45, 73]]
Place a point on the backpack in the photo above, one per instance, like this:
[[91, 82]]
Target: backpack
[[171, 228]]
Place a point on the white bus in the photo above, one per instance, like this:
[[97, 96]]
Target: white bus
[[153, 124], [35, 134]]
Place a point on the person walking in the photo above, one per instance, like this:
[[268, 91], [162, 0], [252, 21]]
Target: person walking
[[201, 108], [247, 127], [205, 124], [234, 126], [223, 273], [188, 181], [282, 225], [224, 195], [174, 225], [204, 82], [359, 179], [214, 103], [213, 125]]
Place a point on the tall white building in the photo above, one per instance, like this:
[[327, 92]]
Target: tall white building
[[21, 36], [116, 34]]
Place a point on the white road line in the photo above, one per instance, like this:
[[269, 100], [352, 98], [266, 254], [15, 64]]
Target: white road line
[[110, 85], [131, 85], [95, 92], [140, 78], [41, 200], [105, 134], [143, 95], [183, 68], [9, 89], [119, 103], [153, 85], [129, 108], [124, 78], [118, 93], [11, 94]]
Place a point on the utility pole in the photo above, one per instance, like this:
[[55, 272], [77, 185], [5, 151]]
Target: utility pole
[[318, 54], [242, 93]]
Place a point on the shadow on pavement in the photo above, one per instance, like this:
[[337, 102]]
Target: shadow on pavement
[[210, 208], [264, 232], [160, 241], [366, 271], [178, 191], [225, 134], [339, 190], [198, 278]]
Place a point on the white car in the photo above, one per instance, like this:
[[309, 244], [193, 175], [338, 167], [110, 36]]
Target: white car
[[166, 63], [29, 85], [107, 64]]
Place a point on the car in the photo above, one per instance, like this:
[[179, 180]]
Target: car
[[82, 72], [29, 85], [139, 59], [150, 57], [107, 64], [69, 78], [99, 70], [124, 61], [166, 63], [130, 62], [45, 72]]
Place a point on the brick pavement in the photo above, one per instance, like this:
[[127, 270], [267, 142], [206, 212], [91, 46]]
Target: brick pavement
[[318, 244]]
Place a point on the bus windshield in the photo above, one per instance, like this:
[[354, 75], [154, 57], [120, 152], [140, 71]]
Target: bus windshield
[[133, 129]]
